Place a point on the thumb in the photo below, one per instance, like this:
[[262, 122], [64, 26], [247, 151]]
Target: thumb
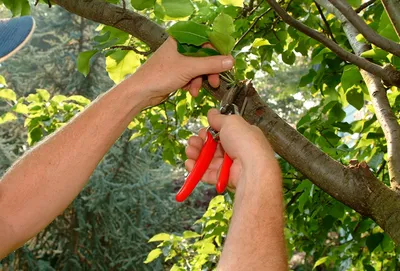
[[212, 64], [216, 119]]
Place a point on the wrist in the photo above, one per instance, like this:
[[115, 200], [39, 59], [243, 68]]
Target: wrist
[[136, 91]]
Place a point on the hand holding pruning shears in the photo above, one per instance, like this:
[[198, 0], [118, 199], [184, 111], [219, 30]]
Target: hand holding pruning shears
[[218, 153]]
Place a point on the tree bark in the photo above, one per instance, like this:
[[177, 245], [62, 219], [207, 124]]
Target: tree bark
[[380, 102], [355, 186]]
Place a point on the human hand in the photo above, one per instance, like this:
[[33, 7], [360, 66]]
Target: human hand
[[244, 143], [167, 70]]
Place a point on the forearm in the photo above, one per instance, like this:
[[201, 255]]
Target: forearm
[[46, 180], [255, 238]]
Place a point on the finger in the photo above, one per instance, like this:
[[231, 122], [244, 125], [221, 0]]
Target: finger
[[196, 141], [216, 119], [209, 64], [214, 81], [195, 86], [192, 152], [203, 134], [187, 86]]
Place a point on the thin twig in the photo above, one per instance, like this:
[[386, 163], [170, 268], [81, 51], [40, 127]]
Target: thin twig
[[251, 27], [37, 2], [392, 78], [328, 28], [123, 4], [255, 8], [364, 6], [130, 48]]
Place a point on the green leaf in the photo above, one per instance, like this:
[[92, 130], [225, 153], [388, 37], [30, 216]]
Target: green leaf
[[308, 78], [177, 8], [222, 42], [376, 54], [17, 7], [374, 240], [236, 3], [142, 4], [190, 234], [207, 248], [79, 99], [368, 267], [288, 57], [196, 51], [320, 261], [7, 117], [44, 94], [160, 237], [351, 76], [387, 243], [354, 3], [386, 29], [2, 81], [355, 97], [189, 32], [21, 108], [8, 94], [83, 61], [122, 63], [376, 160], [181, 109], [153, 255], [337, 113], [260, 42], [224, 24]]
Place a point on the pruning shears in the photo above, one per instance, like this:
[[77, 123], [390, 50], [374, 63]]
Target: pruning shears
[[206, 155]]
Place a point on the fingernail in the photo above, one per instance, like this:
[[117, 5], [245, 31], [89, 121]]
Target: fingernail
[[227, 63]]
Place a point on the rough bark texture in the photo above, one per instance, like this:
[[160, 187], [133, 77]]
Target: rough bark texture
[[392, 8], [133, 23], [355, 186]]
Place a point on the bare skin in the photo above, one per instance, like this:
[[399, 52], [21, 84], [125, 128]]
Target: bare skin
[[255, 239], [44, 181]]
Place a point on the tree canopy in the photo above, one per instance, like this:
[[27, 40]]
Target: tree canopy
[[322, 81]]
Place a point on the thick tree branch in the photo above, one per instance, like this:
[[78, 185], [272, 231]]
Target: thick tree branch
[[369, 34], [392, 8], [390, 78], [354, 186], [133, 23], [380, 102], [364, 6]]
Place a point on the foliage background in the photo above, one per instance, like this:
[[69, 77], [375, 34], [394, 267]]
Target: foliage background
[[130, 196]]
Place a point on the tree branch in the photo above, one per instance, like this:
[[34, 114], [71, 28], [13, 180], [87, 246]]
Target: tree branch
[[131, 48], [354, 186], [251, 27], [364, 29], [390, 78], [126, 20], [380, 102], [328, 28], [392, 8], [364, 6]]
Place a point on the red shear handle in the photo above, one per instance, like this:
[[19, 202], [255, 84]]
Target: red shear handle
[[224, 174], [204, 160]]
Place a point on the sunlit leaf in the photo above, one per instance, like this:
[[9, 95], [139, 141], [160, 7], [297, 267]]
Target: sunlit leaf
[[153, 255], [122, 63]]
